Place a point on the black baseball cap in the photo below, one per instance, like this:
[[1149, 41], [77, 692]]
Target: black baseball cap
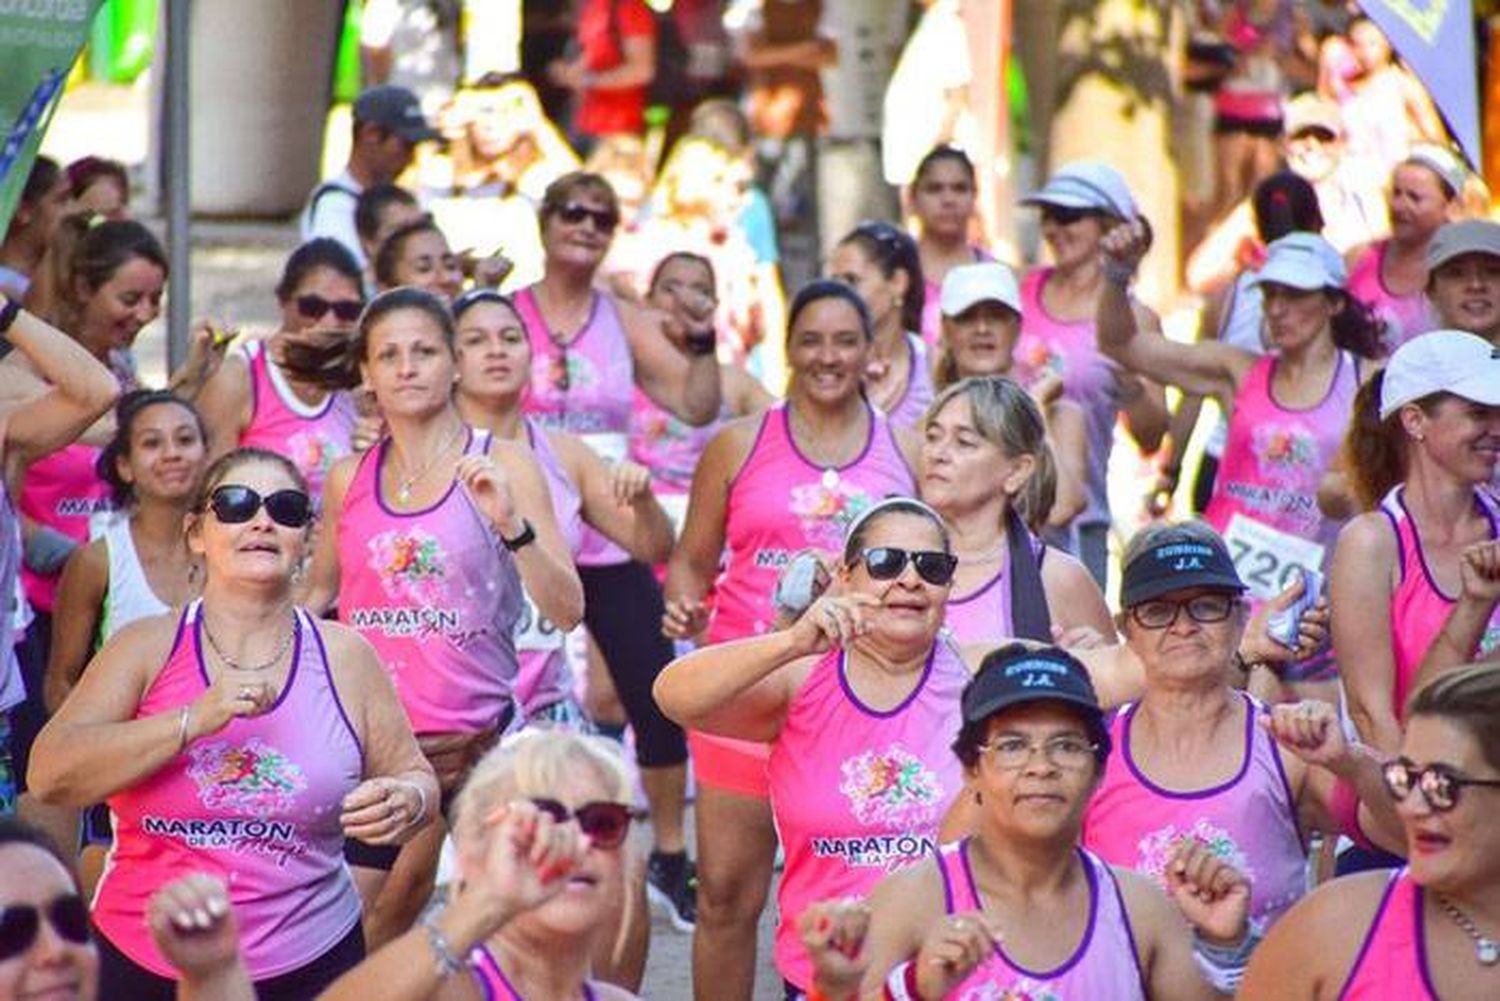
[[1018, 675], [397, 110], [1179, 559]]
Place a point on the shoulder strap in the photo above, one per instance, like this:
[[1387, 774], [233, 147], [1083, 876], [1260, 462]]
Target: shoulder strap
[[327, 188], [1029, 616]]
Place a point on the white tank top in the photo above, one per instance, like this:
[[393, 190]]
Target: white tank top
[[128, 596]]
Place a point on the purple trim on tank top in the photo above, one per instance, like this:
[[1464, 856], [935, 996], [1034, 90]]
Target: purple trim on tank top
[[487, 960], [911, 369], [1041, 302], [1422, 553], [1249, 752], [760, 432], [1135, 952], [530, 293], [1419, 931], [896, 709], [384, 447], [333, 690], [1286, 787], [1333, 384], [254, 389], [1380, 248], [942, 866], [1370, 932], [791, 440], [291, 674], [980, 591], [1400, 548], [890, 432], [1088, 931]]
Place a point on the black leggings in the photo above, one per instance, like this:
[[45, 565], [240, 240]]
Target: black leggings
[[121, 977], [623, 608]]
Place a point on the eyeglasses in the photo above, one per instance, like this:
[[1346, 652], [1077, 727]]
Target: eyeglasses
[[1064, 215], [315, 307], [234, 505], [604, 220], [1203, 609], [888, 563], [1012, 753], [1439, 784], [606, 824], [21, 923]]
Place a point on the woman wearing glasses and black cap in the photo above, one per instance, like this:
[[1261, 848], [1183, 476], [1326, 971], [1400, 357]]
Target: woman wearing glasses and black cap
[[256, 401], [240, 737], [1018, 908], [1196, 758], [1431, 929]]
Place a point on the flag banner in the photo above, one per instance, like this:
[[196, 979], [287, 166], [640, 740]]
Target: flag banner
[[1436, 40], [39, 40]]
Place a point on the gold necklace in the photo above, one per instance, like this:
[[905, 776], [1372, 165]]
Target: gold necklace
[[213, 644], [403, 492]]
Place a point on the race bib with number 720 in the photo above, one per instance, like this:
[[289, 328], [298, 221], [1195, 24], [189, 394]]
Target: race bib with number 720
[[1269, 560]]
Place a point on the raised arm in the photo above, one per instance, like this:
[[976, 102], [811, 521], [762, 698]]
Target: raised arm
[[617, 500], [322, 589], [81, 389], [687, 384], [225, 403], [695, 562], [1465, 627], [546, 565]]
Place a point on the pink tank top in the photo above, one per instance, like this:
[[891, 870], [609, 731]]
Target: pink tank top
[[984, 615], [314, 437], [1105, 964], [541, 647], [496, 986], [858, 793], [932, 310], [1251, 820], [62, 492], [1405, 316], [585, 386], [781, 503], [1275, 457], [256, 803], [1418, 606], [664, 444], [918, 395], [1069, 349], [436, 594], [1392, 960]]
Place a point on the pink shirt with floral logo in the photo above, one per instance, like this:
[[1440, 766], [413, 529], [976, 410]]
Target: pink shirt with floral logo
[[313, 436]]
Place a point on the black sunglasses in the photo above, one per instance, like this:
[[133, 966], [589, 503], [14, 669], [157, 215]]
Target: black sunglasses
[[234, 505], [606, 824], [315, 307], [888, 563], [604, 220], [1439, 784], [1065, 216], [21, 923]]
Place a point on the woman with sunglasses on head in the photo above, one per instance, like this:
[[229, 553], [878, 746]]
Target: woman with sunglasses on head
[[256, 400], [540, 834], [1420, 451], [1017, 908], [1287, 408], [1080, 205], [767, 488], [1390, 275], [1196, 758], [1430, 929], [431, 536], [942, 197], [881, 263], [858, 695], [140, 565], [241, 737]]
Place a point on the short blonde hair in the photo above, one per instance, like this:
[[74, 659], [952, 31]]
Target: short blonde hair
[[535, 763]]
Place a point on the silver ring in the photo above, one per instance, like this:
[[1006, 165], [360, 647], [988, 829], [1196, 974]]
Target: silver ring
[[246, 692]]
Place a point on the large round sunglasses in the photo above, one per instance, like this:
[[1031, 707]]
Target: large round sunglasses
[[20, 924], [888, 563], [234, 505], [1439, 784]]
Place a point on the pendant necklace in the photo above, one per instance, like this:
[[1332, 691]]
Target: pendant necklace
[[1486, 949], [403, 492]]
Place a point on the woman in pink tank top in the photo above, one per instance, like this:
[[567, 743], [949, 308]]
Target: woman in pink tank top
[[1428, 931], [943, 195], [1017, 908], [988, 470], [240, 738], [1287, 409], [429, 537], [257, 400], [1390, 275], [881, 263], [767, 488], [860, 695], [540, 833], [1194, 758], [1421, 448]]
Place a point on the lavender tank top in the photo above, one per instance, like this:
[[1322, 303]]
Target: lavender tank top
[[1105, 964], [494, 985], [984, 615], [919, 393]]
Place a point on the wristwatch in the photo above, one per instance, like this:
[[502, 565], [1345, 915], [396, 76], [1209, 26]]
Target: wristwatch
[[526, 538], [8, 314]]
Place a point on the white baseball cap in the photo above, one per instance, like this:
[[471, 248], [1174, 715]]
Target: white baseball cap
[[1087, 184], [969, 284], [1443, 361], [1303, 261]]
